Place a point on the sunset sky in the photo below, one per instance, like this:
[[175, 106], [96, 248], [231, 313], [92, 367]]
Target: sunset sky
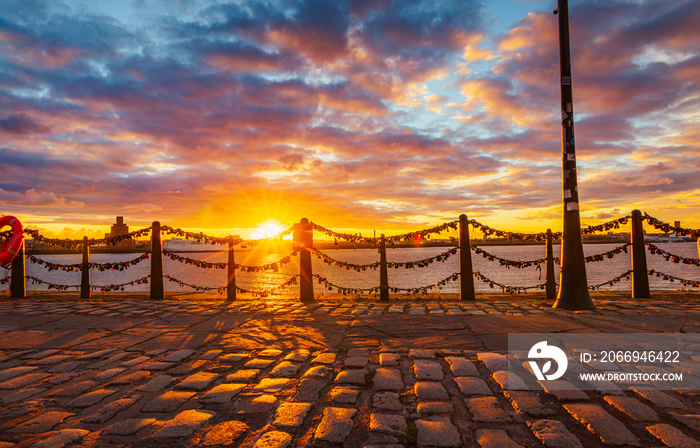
[[360, 115]]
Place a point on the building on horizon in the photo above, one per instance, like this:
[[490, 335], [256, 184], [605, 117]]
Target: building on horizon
[[119, 228]]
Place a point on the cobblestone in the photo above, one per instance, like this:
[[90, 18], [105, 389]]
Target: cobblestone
[[598, 421], [553, 434], [391, 424], [274, 439], [179, 355], [462, 366], [243, 376], [428, 370], [470, 386], [42, 423], [128, 427], [672, 437], [291, 414], [389, 359], [222, 394], [157, 383], [495, 438], [324, 358], [387, 401], [62, 438], [184, 424], [226, 433], [528, 403], [440, 433], [91, 398], [352, 376], [487, 409], [22, 381], [435, 407], [198, 381], [285, 369], [345, 395], [109, 410], [256, 405], [661, 399], [335, 425], [388, 379], [493, 361], [167, 402], [429, 390], [633, 408]]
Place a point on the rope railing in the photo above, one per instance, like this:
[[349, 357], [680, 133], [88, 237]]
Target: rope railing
[[264, 293], [404, 237], [101, 288], [671, 257], [624, 276], [275, 266], [510, 263], [423, 263], [113, 266], [668, 228], [672, 279], [506, 288], [424, 289], [375, 289]]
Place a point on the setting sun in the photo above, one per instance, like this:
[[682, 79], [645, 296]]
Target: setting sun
[[268, 229]]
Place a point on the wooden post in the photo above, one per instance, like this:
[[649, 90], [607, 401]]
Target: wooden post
[[303, 237], [551, 286], [640, 276], [157, 290], [573, 285], [231, 284], [383, 276], [85, 271], [466, 274], [18, 284]]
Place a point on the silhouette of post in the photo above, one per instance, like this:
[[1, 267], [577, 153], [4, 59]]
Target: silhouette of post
[[573, 285], [466, 275], [383, 276], [157, 290], [85, 271], [640, 276], [18, 284], [231, 276], [550, 284], [303, 237]]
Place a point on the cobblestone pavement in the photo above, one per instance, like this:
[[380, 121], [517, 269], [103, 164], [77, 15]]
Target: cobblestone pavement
[[397, 374]]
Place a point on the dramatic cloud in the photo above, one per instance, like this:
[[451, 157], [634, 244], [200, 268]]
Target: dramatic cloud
[[355, 113]]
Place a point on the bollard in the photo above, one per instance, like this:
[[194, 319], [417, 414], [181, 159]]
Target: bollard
[[18, 284], [85, 271], [466, 275], [231, 284], [640, 276], [383, 276], [550, 286], [157, 291], [303, 238]]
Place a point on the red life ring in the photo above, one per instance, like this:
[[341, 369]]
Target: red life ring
[[11, 246]]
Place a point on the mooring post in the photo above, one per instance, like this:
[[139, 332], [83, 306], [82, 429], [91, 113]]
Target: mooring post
[[85, 271], [640, 276], [157, 290], [231, 284], [383, 276], [466, 275], [18, 283], [550, 286], [303, 237]]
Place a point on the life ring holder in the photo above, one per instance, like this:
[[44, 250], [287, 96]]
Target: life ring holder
[[14, 244]]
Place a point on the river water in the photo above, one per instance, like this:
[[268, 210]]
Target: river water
[[597, 272]]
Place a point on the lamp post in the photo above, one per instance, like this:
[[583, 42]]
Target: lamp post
[[573, 286]]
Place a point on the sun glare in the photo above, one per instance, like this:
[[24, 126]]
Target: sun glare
[[268, 229]]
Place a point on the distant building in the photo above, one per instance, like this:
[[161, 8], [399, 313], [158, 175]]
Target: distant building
[[119, 228]]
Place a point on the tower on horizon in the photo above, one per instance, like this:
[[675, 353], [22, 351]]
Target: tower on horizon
[[119, 228]]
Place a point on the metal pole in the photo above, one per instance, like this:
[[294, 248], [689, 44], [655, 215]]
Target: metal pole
[[551, 286], [231, 284], [573, 285], [18, 284], [466, 274], [157, 290], [383, 276], [306, 240], [640, 276], [85, 271]]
